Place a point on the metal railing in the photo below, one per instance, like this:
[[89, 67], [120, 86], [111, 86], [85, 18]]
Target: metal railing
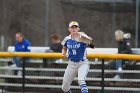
[[58, 55]]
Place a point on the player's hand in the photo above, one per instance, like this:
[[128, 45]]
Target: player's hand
[[64, 51], [63, 55]]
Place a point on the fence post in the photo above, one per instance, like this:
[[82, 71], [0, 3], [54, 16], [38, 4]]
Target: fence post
[[102, 82], [23, 76]]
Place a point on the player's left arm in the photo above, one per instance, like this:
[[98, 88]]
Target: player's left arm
[[86, 39], [91, 44]]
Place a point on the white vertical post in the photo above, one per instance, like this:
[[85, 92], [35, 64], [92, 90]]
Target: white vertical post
[[114, 26], [2, 42], [137, 24], [46, 23]]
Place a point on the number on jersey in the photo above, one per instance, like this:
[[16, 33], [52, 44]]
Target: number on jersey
[[74, 52]]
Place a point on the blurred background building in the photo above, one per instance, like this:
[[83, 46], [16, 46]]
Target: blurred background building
[[38, 19]]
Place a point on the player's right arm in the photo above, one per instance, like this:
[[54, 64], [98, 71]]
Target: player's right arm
[[64, 51]]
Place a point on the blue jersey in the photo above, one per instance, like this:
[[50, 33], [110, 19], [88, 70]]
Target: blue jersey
[[76, 50], [23, 46]]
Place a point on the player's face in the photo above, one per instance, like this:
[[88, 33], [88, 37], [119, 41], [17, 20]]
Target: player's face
[[74, 29], [19, 38]]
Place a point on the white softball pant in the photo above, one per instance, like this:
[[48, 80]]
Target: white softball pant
[[81, 68]]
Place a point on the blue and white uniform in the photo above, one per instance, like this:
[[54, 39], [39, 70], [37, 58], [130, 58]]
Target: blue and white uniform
[[78, 64], [76, 50]]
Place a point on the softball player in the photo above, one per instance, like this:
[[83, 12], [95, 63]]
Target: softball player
[[76, 44]]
